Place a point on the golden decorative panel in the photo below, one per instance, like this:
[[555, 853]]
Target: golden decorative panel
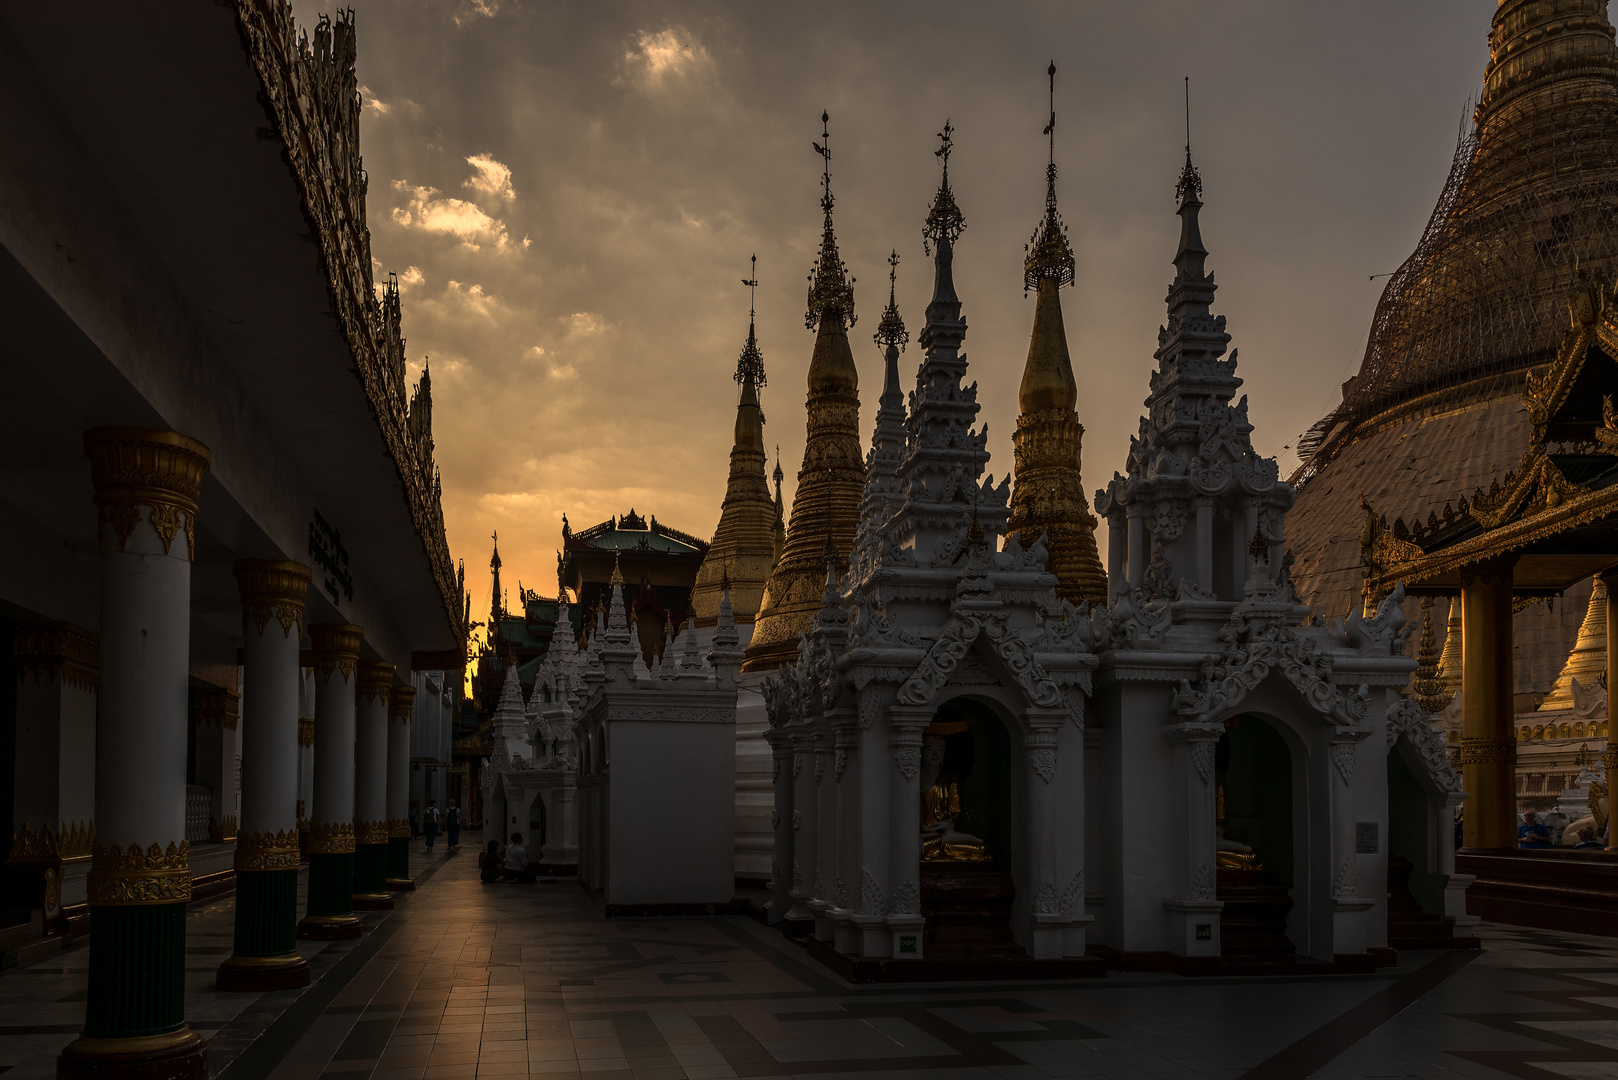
[[154, 875], [161, 470], [267, 851]]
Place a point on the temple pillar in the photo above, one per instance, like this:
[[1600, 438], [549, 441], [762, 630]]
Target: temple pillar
[[401, 705], [306, 747], [265, 956], [1137, 545], [874, 774], [329, 912], [1488, 754], [781, 821], [805, 824], [375, 688], [825, 882], [146, 488], [1117, 550], [1350, 935], [846, 793], [1205, 542], [1046, 926], [1609, 758], [54, 777], [217, 711], [905, 921], [1194, 914]]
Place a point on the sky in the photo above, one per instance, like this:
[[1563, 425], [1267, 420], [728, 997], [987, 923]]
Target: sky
[[570, 193]]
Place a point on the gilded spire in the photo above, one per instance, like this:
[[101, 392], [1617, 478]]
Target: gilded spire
[[1425, 685], [1049, 253], [743, 545], [831, 292], [1048, 499], [825, 508]]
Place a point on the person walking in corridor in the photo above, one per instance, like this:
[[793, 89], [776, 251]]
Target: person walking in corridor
[[429, 822], [452, 826]]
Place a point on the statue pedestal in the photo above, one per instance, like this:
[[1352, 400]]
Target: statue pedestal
[[1194, 926]]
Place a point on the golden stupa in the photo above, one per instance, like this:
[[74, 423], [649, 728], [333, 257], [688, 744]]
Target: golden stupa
[[743, 550], [1588, 660], [1048, 496], [825, 508], [1435, 411]]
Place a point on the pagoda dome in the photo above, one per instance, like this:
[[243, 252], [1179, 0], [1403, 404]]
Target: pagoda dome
[[1435, 412]]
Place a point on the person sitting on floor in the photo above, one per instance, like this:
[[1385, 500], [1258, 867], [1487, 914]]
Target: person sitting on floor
[[1587, 840], [516, 865], [489, 863]]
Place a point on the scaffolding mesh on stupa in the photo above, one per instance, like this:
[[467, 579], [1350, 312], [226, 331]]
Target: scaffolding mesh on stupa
[[1529, 202]]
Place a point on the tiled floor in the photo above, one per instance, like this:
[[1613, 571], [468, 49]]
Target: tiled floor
[[467, 980]]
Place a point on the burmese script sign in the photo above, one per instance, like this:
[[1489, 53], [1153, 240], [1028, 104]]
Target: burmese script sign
[[330, 560]]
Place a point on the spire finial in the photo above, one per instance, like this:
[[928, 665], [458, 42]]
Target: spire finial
[[750, 365], [1049, 254], [1190, 182], [944, 221], [891, 331], [617, 573], [1050, 130], [831, 290]]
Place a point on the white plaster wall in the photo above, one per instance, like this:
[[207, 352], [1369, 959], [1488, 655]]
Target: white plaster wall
[[673, 813]]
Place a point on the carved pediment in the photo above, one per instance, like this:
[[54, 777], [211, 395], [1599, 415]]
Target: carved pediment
[[1535, 486]]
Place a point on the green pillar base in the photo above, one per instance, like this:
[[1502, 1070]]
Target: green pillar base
[[399, 864], [258, 974], [137, 976], [330, 914], [370, 878], [178, 1055]]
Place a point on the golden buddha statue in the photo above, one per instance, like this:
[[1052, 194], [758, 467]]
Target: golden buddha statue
[[940, 806], [1231, 854]]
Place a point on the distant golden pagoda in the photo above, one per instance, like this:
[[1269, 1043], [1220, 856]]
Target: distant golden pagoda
[[1048, 496], [743, 550], [825, 508], [1588, 661]]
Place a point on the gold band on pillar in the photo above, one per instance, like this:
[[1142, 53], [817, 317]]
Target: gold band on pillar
[[400, 702], [306, 731], [267, 851], [69, 844], [336, 648], [150, 876], [273, 589], [331, 839], [375, 680], [398, 828], [161, 470], [371, 832], [58, 653]]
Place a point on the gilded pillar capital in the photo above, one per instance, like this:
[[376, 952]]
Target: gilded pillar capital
[[218, 707], [375, 680], [154, 875], [57, 653], [136, 467], [401, 701], [273, 589], [267, 850], [336, 648]]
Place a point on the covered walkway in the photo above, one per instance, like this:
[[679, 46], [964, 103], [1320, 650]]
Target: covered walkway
[[465, 979]]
